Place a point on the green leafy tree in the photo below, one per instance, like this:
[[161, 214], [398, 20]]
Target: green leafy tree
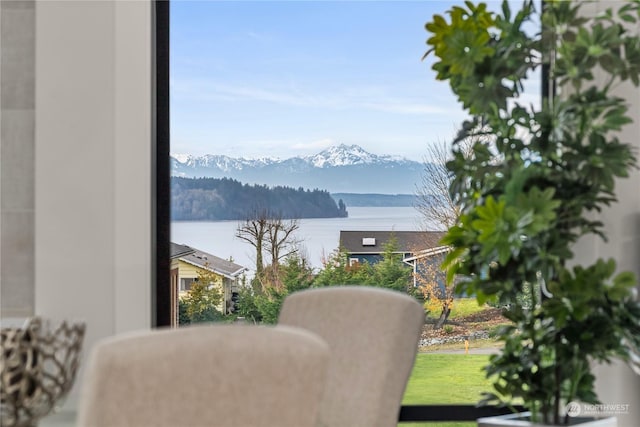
[[203, 298], [183, 316], [533, 185]]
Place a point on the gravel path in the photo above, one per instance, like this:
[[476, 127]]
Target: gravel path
[[487, 350]]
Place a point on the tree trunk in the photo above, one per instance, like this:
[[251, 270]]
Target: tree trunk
[[444, 315], [259, 262]]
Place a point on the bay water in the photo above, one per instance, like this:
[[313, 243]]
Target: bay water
[[318, 236]]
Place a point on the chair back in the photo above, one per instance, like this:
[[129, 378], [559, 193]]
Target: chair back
[[373, 335], [222, 375]]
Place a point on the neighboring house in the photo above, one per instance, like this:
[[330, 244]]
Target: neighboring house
[[187, 264], [368, 246], [177, 251], [419, 249], [427, 263]]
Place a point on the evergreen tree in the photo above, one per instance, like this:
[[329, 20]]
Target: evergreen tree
[[391, 272], [292, 276], [337, 271], [247, 307], [342, 208]]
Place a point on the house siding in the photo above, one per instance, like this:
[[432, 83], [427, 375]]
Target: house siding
[[190, 271]]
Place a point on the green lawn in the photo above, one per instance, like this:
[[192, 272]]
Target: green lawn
[[462, 307], [446, 378]]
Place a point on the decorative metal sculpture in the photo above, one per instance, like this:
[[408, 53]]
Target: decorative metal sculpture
[[38, 365]]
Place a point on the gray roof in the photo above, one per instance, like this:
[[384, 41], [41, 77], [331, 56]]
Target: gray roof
[[180, 250], [373, 242], [210, 262]]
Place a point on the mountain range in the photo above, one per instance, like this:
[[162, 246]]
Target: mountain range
[[337, 169]]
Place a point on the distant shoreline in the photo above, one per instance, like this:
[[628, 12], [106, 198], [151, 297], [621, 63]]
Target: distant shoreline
[[375, 199]]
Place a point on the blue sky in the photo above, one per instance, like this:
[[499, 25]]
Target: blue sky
[[283, 79]]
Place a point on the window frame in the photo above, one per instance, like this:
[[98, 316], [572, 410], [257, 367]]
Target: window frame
[[186, 283], [160, 170], [161, 222]]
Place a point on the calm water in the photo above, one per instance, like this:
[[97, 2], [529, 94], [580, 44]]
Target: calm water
[[318, 236]]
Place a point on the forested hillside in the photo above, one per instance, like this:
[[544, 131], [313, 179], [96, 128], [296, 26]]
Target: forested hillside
[[213, 199]]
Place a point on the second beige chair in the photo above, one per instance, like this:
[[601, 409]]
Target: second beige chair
[[231, 376], [373, 335]]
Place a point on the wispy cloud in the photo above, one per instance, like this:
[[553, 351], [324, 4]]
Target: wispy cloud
[[405, 107], [376, 100]]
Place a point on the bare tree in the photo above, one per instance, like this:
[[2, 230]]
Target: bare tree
[[280, 239], [430, 279], [434, 200], [438, 211], [269, 234], [253, 230]]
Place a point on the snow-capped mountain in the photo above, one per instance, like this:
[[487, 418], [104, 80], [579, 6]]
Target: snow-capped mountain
[[346, 155], [224, 163], [340, 168]]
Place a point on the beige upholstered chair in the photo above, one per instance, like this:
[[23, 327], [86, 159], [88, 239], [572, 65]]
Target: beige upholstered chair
[[373, 335], [225, 375]]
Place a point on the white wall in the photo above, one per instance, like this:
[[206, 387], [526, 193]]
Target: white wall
[[92, 176], [17, 129], [617, 383], [93, 164]]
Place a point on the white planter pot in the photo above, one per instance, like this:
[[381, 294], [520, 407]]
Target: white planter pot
[[521, 420]]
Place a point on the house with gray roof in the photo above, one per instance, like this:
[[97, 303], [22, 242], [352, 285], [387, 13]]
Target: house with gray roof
[[188, 264], [421, 250], [368, 246]]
